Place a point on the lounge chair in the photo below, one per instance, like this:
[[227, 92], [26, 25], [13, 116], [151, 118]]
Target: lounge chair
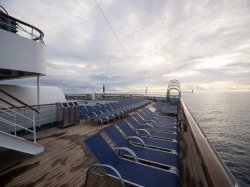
[[159, 144], [159, 117], [146, 155], [165, 127], [126, 171], [166, 133], [159, 121]]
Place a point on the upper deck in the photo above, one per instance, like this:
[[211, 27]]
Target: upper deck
[[22, 49]]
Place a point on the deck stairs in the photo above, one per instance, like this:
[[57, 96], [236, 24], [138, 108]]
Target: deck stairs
[[10, 116], [16, 143]]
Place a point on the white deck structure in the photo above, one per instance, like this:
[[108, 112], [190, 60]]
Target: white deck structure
[[20, 57], [23, 108]]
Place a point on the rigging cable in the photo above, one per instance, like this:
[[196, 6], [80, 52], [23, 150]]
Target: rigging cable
[[117, 39]]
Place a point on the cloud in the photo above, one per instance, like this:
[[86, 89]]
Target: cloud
[[199, 42], [180, 74]]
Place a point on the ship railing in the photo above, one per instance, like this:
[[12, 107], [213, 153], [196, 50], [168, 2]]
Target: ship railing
[[14, 25], [215, 170], [12, 113]]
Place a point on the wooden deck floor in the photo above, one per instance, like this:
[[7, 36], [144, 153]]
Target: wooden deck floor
[[63, 163]]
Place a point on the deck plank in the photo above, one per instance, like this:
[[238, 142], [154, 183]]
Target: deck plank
[[64, 161]]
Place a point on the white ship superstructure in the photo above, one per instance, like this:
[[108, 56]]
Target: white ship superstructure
[[23, 108]]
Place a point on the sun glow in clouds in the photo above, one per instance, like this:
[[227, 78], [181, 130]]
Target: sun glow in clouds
[[181, 74], [214, 62], [67, 64]]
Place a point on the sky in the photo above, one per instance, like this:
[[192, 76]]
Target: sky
[[205, 44]]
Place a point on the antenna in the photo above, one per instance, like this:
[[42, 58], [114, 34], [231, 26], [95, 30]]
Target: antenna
[[103, 89], [105, 81]]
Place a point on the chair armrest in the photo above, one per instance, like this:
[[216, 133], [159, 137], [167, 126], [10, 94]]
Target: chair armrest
[[93, 113], [127, 150], [155, 118], [86, 116], [148, 125], [92, 168], [151, 120], [100, 111], [136, 138], [143, 130], [157, 115]]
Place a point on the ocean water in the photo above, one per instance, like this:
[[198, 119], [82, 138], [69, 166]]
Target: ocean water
[[225, 119]]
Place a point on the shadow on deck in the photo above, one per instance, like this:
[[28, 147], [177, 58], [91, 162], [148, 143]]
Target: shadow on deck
[[63, 163]]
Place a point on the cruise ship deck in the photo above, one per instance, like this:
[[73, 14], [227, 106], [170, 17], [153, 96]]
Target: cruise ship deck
[[62, 159], [66, 159], [63, 162]]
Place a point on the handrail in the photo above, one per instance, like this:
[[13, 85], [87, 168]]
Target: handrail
[[14, 124], [5, 107], [216, 172], [40, 38], [7, 102], [8, 113], [33, 120], [16, 99]]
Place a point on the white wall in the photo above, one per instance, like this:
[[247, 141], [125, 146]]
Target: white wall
[[21, 54]]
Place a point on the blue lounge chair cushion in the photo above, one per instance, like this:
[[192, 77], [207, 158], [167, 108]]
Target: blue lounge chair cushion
[[137, 123], [131, 172], [150, 142], [171, 134], [160, 157]]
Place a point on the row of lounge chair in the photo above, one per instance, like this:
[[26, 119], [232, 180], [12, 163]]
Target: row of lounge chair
[[102, 113], [146, 151], [164, 107]]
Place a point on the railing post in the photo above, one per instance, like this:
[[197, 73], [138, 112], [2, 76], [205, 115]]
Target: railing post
[[15, 123], [9, 24], [31, 33], [34, 126]]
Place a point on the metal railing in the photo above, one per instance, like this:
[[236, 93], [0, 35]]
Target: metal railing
[[19, 27], [18, 100], [14, 114], [216, 171]]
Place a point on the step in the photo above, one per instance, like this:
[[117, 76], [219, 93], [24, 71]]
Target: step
[[19, 144]]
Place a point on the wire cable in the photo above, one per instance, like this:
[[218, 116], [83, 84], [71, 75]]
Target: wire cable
[[117, 39]]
